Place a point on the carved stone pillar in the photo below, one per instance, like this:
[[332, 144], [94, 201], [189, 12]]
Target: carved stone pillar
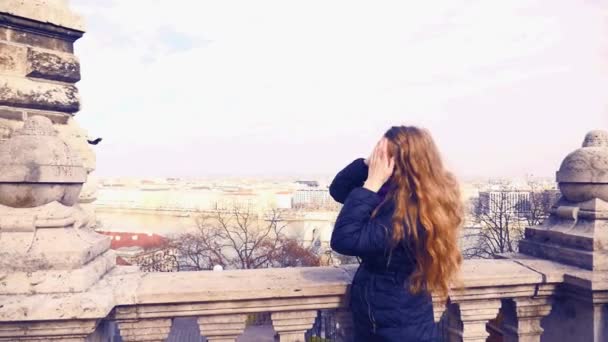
[[600, 322], [522, 317], [43, 249], [576, 234], [467, 320], [293, 325], [145, 330], [222, 328]]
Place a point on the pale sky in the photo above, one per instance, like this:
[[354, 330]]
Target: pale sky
[[193, 88]]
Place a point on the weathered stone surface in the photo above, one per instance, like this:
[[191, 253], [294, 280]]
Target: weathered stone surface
[[154, 330], [20, 92], [55, 12], [59, 247], [522, 318], [57, 118], [5, 131], [481, 273], [52, 65], [11, 114], [580, 240], [12, 59], [56, 281], [38, 40], [292, 325], [467, 320], [53, 331], [583, 174], [3, 33], [36, 167], [222, 327], [276, 283]]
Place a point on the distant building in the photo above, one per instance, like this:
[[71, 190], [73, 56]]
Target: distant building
[[518, 202], [312, 198], [505, 201]]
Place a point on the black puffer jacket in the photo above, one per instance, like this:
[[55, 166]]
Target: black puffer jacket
[[383, 308]]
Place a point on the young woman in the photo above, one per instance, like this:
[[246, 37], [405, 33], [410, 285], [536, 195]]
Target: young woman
[[401, 216]]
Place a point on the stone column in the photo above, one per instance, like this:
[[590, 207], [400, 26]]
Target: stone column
[[145, 330], [576, 234], [522, 317], [293, 325], [467, 320], [39, 71], [600, 322], [222, 328], [44, 253]]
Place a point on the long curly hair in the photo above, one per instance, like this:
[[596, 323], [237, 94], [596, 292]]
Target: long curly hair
[[428, 209]]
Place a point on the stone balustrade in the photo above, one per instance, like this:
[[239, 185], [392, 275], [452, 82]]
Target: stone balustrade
[[59, 281], [144, 304]]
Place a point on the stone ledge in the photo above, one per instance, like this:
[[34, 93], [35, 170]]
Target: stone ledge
[[56, 281], [54, 66], [56, 12], [10, 113], [57, 118], [51, 249], [25, 93], [66, 331], [135, 295], [37, 38]]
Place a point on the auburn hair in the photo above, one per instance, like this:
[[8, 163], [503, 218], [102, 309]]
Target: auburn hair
[[428, 209]]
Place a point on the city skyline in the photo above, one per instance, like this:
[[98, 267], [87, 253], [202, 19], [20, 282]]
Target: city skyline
[[279, 88]]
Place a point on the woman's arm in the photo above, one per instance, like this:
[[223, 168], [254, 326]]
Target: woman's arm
[[352, 176], [355, 232]]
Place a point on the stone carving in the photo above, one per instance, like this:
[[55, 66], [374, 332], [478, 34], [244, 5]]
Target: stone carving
[[575, 233], [41, 177], [37, 168], [583, 174], [53, 66]]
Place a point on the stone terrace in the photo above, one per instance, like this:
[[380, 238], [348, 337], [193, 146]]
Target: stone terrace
[[59, 281]]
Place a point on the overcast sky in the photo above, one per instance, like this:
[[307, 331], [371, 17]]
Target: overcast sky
[[193, 88]]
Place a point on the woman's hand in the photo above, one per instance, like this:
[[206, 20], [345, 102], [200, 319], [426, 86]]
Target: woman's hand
[[380, 167]]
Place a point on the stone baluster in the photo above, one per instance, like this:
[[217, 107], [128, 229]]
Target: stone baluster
[[222, 328], [600, 322], [140, 330], [468, 319], [293, 325], [522, 317]]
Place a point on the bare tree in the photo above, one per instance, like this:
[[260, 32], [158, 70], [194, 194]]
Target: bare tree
[[240, 238], [539, 204], [500, 225]]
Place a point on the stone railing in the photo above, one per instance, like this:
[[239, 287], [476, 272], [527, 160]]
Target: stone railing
[[143, 305], [59, 281]]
